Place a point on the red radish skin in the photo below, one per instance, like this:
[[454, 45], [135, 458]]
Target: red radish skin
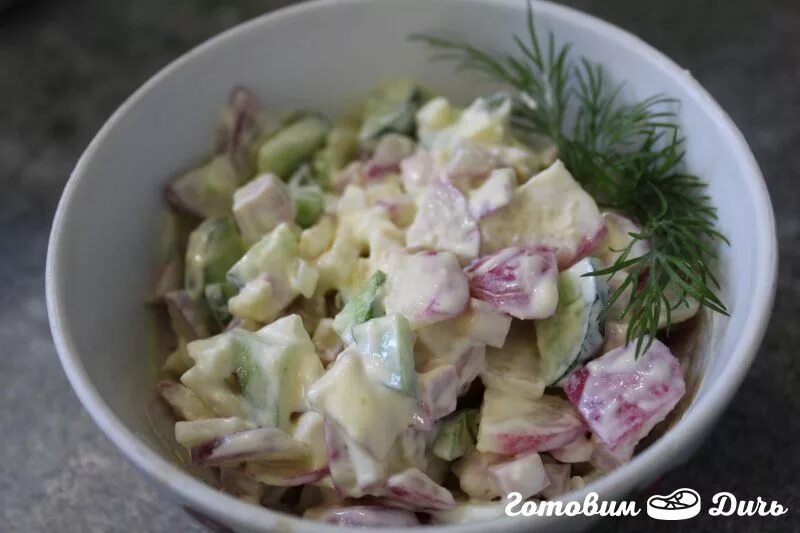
[[524, 474], [417, 171], [239, 128], [413, 488], [426, 287], [376, 171], [622, 397], [248, 445], [443, 222], [342, 471], [522, 282], [533, 426]]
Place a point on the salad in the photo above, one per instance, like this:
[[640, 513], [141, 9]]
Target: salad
[[401, 316]]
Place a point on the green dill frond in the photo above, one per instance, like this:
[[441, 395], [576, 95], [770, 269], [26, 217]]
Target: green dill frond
[[628, 156]]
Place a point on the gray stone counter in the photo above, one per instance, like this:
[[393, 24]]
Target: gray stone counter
[[65, 66]]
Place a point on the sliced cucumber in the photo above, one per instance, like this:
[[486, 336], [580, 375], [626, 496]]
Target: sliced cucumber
[[217, 296], [575, 332], [360, 308], [456, 435], [212, 249], [264, 372], [341, 147], [387, 343], [308, 200], [276, 250], [390, 110], [284, 152]]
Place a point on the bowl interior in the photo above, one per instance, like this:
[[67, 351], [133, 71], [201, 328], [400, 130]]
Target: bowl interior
[[324, 56]]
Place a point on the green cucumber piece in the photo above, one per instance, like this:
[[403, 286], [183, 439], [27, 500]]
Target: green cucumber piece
[[264, 372], [575, 332], [217, 296], [391, 110], [285, 151], [360, 308], [387, 343], [309, 204], [214, 246], [456, 435], [276, 250], [307, 197], [341, 147]]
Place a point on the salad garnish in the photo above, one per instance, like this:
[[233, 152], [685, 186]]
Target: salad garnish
[[629, 157]]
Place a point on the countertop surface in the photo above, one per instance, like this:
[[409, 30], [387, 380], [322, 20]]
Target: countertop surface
[[65, 66]]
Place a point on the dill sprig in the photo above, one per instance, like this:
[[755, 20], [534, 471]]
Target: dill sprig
[[628, 156]]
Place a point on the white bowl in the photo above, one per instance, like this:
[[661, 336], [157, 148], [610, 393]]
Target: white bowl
[[321, 55]]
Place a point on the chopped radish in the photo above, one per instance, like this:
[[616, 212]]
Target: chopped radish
[[621, 396], [558, 475], [479, 324], [578, 451], [485, 324], [550, 210], [261, 205], [496, 192], [522, 282], [352, 174], [399, 209], [437, 391], [389, 152], [195, 432], [512, 425], [418, 170], [367, 516], [266, 444], [426, 287], [188, 316], [473, 476], [413, 488], [443, 222], [469, 161], [524, 474], [354, 470], [184, 404], [239, 128]]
